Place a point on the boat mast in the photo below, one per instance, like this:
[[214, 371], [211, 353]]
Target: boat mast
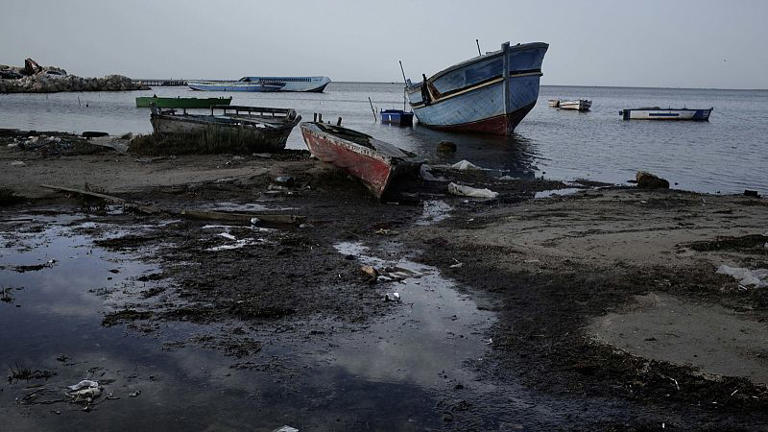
[[477, 41], [405, 82]]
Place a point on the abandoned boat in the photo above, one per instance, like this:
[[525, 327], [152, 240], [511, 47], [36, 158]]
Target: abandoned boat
[[490, 93], [580, 105], [656, 113], [376, 163], [397, 117], [242, 85], [314, 84], [180, 102], [257, 129]]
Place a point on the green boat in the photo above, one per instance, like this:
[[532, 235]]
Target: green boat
[[180, 102]]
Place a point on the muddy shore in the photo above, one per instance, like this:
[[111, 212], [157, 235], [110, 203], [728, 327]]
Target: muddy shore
[[597, 310]]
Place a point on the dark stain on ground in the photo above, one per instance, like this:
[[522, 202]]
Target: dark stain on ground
[[753, 243]]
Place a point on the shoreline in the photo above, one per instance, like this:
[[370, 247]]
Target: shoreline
[[561, 276]]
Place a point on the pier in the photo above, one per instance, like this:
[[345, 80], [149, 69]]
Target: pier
[[161, 82]]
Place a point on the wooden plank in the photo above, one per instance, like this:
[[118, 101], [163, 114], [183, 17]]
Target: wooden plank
[[248, 218]]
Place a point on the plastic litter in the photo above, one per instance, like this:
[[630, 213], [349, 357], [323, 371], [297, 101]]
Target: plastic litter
[[464, 165], [18, 163], [84, 391], [469, 191], [392, 297], [228, 236], [286, 428], [757, 278], [84, 384]]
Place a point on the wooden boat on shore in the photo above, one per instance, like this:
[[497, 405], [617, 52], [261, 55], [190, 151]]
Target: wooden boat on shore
[[376, 163], [242, 85], [490, 93], [257, 129], [656, 113], [180, 102], [581, 105], [397, 117], [554, 103]]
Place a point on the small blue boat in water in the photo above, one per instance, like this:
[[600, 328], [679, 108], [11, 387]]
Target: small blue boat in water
[[656, 113], [396, 116], [490, 93]]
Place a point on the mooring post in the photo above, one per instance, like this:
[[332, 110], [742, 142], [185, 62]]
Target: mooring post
[[338, 122], [375, 119]]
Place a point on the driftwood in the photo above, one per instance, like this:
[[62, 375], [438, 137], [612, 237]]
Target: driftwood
[[249, 218]]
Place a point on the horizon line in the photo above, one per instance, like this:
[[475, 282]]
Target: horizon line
[[586, 85]]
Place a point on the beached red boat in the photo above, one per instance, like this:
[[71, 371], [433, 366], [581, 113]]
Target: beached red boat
[[376, 163]]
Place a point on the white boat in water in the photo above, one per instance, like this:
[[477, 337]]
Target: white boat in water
[[656, 113], [577, 105]]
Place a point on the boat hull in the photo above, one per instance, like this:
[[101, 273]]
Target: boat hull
[[249, 134], [179, 102], [397, 117], [666, 114], [489, 94], [312, 84], [575, 105], [375, 170], [232, 86]]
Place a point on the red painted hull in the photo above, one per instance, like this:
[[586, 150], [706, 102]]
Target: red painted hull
[[499, 125], [374, 170]]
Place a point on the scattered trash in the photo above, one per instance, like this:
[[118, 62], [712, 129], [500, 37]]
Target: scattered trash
[[469, 191], [464, 165], [134, 394], [434, 211], [458, 264], [84, 391], [256, 221], [386, 232], [18, 163], [228, 236], [646, 180], [286, 428], [757, 278], [285, 180], [392, 297]]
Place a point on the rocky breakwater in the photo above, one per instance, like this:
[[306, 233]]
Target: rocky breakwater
[[33, 78]]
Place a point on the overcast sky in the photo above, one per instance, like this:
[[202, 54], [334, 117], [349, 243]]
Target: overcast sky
[[668, 43]]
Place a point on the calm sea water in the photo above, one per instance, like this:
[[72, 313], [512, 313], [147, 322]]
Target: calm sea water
[[726, 155]]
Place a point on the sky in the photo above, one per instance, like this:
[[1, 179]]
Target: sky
[[653, 43]]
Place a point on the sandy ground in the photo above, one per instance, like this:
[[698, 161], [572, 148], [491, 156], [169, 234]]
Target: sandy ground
[[609, 294]]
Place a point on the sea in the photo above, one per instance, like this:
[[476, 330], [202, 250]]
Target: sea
[[726, 155]]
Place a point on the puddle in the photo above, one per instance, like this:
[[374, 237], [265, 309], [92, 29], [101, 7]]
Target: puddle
[[557, 192], [427, 341], [51, 320], [247, 207], [434, 211], [663, 327]]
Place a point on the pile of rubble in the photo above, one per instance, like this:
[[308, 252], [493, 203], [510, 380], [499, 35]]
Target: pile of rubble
[[33, 78]]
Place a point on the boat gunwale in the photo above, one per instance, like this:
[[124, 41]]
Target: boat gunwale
[[518, 47]]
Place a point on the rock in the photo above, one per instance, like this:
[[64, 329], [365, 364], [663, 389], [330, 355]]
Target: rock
[[31, 67], [446, 147], [18, 163], [646, 180], [370, 271]]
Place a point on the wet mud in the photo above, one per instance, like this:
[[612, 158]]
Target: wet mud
[[426, 312]]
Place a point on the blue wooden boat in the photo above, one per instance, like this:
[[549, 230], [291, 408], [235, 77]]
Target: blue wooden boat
[[315, 84], [396, 116], [490, 93], [242, 85], [656, 113]]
